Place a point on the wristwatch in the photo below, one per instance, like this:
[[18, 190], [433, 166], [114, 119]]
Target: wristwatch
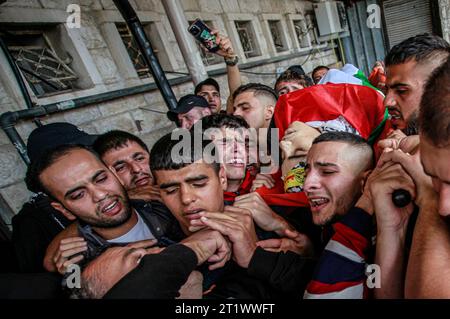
[[232, 61]]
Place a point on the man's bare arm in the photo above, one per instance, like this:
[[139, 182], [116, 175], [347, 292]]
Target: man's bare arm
[[428, 267], [233, 74]]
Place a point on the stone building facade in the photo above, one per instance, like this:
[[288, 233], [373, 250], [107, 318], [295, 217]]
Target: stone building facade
[[106, 66], [279, 33], [444, 14]]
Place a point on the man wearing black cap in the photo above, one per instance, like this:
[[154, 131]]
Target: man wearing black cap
[[38, 223], [52, 135], [190, 109]]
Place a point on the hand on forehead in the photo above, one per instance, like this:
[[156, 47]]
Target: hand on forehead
[[298, 136]]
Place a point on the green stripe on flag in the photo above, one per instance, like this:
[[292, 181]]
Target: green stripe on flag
[[360, 75], [379, 129]]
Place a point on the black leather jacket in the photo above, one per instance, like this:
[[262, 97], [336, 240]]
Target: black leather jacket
[[157, 217]]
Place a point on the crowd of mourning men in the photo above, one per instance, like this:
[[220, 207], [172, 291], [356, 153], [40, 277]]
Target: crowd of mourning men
[[206, 221]]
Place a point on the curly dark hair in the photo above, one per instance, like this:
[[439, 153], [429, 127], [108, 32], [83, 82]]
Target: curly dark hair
[[223, 120], [116, 139], [292, 76]]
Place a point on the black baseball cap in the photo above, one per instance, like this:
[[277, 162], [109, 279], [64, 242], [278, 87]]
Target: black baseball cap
[[185, 104], [208, 81], [50, 136]]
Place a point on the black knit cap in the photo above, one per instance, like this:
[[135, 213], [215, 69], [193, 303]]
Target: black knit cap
[[50, 136]]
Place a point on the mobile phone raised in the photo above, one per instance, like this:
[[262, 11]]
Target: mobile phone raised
[[202, 33]]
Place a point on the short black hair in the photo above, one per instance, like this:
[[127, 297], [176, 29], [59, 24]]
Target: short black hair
[[422, 47], [292, 76], [337, 136], [32, 177], [299, 70], [434, 114], [208, 81], [347, 138], [258, 89], [161, 154], [223, 120], [320, 67], [116, 139]]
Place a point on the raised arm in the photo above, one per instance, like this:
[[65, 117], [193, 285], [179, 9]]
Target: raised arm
[[231, 59], [392, 223], [427, 270]]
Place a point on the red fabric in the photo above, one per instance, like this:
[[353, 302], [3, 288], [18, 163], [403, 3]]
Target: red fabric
[[361, 106], [286, 199], [243, 189], [350, 239], [378, 78], [277, 189], [276, 196]]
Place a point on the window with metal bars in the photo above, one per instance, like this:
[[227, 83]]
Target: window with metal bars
[[46, 71], [312, 29], [301, 31], [247, 38], [135, 54]]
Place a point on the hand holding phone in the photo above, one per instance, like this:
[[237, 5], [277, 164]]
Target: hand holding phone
[[202, 33]]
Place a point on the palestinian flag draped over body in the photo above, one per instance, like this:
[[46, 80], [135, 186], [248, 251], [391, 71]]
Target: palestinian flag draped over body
[[349, 74], [361, 106], [354, 107]]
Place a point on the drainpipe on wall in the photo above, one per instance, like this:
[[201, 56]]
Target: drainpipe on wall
[[16, 72], [8, 120], [20, 81], [189, 50]]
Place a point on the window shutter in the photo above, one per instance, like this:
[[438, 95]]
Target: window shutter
[[406, 18]]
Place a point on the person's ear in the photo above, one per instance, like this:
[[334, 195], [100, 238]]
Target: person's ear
[[364, 176], [223, 177], [270, 109], [59, 207]]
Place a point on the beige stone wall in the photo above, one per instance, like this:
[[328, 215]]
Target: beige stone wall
[[444, 12], [106, 67]]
